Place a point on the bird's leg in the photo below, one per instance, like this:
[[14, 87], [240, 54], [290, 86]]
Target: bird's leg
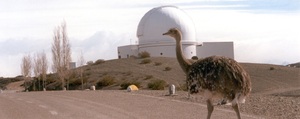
[[210, 108], [188, 88], [235, 106]]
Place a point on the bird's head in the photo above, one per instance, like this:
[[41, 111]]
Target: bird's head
[[173, 32]]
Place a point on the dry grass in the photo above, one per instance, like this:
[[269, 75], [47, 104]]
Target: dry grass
[[157, 84], [106, 81], [144, 54], [146, 61], [167, 68], [265, 77]]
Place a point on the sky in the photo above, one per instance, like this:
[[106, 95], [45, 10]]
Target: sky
[[263, 31]]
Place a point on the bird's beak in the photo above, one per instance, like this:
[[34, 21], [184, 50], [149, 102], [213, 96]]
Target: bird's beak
[[165, 33]]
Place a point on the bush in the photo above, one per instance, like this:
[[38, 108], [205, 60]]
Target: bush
[[157, 63], [157, 85], [90, 63], [144, 54], [88, 68], [75, 82], [145, 61], [168, 68], [195, 58], [125, 84], [272, 68], [106, 81], [99, 61], [148, 77], [182, 87], [134, 57]]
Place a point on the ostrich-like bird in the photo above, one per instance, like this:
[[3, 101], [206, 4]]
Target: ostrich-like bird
[[215, 76]]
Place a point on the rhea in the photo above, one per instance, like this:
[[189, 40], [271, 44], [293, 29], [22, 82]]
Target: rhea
[[216, 77]]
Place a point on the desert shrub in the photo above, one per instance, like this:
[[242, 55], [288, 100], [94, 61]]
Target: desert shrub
[[132, 56], [125, 84], [182, 87], [148, 77], [157, 63], [99, 61], [167, 68], [75, 82], [144, 54], [146, 61], [88, 68], [157, 85], [106, 81], [90, 63], [195, 58], [272, 68]]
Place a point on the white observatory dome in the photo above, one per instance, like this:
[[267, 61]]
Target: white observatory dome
[[159, 20]]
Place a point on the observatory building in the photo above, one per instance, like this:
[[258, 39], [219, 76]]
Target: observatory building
[[158, 21]]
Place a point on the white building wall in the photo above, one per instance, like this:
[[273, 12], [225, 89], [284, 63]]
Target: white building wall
[[159, 50], [127, 51], [215, 48], [168, 50], [189, 50]]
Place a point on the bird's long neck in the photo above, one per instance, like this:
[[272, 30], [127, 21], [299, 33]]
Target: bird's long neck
[[183, 62]]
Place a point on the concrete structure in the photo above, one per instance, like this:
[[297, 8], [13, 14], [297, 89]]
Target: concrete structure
[[172, 89], [215, 48], [72, 65], [158, 21], [93, 87], [127, 51]]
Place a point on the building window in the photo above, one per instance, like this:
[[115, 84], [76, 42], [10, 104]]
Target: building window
[[161, 53]]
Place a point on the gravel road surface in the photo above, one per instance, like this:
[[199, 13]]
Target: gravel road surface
[[104, 104]]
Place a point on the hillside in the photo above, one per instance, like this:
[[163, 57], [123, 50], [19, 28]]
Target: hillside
[[275, 89], [266, 78], [128, 70], [297, 65], [5, 81]]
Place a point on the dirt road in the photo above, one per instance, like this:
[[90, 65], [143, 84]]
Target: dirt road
[[101, 105]]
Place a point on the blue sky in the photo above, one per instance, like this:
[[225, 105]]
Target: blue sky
[[251, 5], [263, 31]]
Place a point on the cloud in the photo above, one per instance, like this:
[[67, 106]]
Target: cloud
[[15, 47], [101, 45], [258, 38], [264, 31], [12, 51], [268, 51]]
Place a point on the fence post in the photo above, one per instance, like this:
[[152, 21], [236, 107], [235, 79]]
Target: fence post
[[93, 88], [172, 89]]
